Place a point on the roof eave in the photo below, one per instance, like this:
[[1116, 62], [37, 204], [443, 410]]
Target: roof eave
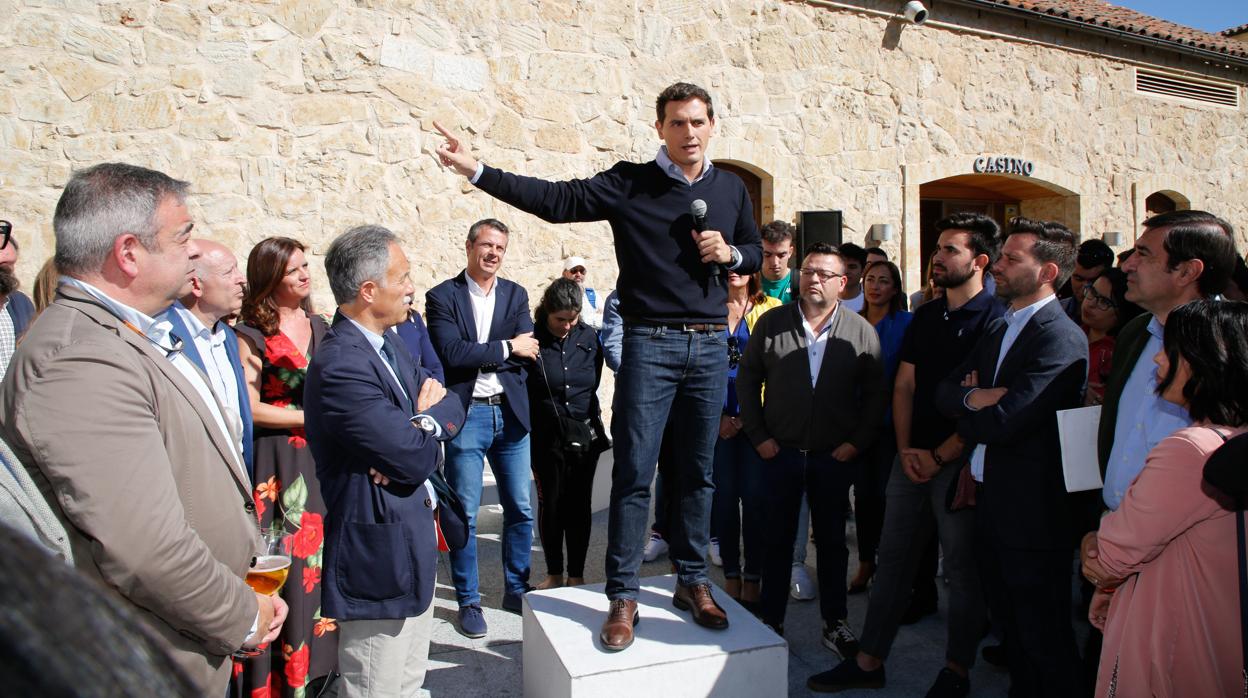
[[1078, 25]]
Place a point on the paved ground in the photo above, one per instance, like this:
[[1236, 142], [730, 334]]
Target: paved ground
[[491, 666]]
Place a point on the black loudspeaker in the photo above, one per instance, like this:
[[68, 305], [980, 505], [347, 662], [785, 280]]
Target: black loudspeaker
[[817, 226]]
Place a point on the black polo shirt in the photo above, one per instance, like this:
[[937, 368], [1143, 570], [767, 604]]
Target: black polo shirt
[[937, 342]]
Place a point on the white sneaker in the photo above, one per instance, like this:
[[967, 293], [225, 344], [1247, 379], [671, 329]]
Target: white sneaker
[[655, 547], [714, 551], [800, 585]]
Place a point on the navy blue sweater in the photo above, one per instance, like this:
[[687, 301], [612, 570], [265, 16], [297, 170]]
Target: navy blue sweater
[[662, 278]]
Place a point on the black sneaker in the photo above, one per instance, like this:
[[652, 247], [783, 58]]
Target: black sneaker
[[845, 676], [949, 685], [840, 639]]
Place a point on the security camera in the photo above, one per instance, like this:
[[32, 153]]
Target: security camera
[[915, 12]]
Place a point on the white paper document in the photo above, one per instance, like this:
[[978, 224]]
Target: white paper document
[[1078, 429]]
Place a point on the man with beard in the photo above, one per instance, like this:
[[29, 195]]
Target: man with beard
[[930, 457], [1027, 366], [16, 309]]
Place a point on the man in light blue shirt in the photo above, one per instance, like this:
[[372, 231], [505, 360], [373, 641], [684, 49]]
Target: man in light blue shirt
[[1180, 257]]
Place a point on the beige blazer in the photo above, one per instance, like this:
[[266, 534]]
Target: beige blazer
[[137, 471]]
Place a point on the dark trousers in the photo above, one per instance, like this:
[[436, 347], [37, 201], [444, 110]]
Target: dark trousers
[[827, 482], [737, 508], [1029, 595], [869, 496], [565, 483]]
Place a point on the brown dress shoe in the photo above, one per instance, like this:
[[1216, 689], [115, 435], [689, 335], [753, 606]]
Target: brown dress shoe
[[698, 601], [617, 631]]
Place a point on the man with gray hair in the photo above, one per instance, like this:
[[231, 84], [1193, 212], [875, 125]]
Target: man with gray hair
[[124, 437], [374, 419]]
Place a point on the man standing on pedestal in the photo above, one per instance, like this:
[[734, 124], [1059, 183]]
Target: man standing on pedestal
[[674, 306]]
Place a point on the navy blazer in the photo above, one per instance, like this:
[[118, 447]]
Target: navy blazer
[[191, 351], [416, 336], [381, 549], [1024, 501], [448, 310]]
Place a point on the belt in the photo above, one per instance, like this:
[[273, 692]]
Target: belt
[[681, 326], [491, 400]]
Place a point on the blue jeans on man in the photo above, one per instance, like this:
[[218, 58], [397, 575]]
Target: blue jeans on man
[[490, 430], [664, 371]]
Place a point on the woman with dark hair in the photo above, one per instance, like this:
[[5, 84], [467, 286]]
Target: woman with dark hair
[[883, 309], [1166, 562], [563, 409], [737, 507], [277, 334], [1104, 310]]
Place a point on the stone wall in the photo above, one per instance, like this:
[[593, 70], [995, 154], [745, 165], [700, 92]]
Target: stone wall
[[302, 117]]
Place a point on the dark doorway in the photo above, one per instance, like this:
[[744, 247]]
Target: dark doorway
[[753, 186]]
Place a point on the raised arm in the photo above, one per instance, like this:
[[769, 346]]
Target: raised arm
[[579, 200]]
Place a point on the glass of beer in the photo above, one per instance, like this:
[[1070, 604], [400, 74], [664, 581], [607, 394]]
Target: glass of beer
[[272, 562], [268, 570]]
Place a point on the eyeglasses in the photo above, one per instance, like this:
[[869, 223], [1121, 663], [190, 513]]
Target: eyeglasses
[[822, 274], [6, 231], [1101, 302]]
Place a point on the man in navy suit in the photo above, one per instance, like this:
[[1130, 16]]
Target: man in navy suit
[[374, 419], [1030, 363], [199, 320], [482, 331]]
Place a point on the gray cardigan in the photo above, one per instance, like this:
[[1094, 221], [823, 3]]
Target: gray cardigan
[[773, 383]]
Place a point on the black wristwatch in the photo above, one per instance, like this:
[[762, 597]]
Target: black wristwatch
[[507, 343], [940, 462]]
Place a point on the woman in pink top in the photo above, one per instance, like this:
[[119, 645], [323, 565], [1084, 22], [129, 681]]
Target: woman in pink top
[[1166, 561]]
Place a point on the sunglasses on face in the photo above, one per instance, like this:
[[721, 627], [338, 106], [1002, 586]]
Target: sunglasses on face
[[6, 231]]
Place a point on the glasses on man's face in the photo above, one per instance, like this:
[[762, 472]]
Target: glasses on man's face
[[6, 230], [822, 274], [1098, 300]]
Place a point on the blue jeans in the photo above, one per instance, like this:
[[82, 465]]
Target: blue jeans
[[490, 430], [826, 482], [737, 511], [684, 374]]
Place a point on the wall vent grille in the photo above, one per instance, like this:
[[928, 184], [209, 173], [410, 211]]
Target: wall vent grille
[[1153, 82]]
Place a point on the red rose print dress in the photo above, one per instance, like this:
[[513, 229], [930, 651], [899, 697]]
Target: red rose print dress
[[286, 490]]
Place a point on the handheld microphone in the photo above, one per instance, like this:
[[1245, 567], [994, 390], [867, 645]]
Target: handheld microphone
[[697, 209]]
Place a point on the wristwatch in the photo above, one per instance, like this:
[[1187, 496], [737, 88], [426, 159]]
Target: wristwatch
[[425, 423], [507, 343]]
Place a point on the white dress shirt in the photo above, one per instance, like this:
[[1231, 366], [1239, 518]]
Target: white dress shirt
[[488, 384], [1015, 321], [217, 365], [816, 344]]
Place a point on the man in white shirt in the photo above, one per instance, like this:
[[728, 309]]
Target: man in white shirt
[[480, 327], [852, 298], [199, 319]]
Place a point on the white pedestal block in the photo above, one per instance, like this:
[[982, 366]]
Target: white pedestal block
[[671, 655]]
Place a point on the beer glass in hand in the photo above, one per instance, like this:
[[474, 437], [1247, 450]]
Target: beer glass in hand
[[272, 563], [268, 571]]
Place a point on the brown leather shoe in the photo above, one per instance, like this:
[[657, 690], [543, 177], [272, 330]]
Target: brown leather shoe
[[698, 601], [617, 631]]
